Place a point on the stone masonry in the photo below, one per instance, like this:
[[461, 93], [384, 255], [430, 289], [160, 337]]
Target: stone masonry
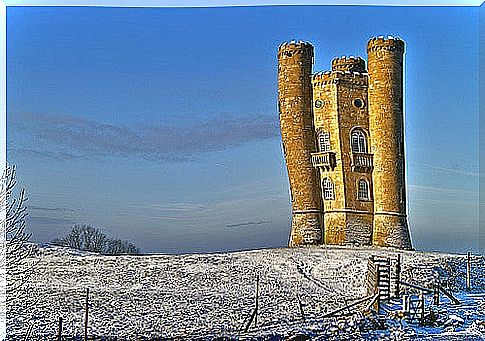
[[298, 134], [343, 141]]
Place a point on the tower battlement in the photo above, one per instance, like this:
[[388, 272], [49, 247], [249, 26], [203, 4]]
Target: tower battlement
[[323, 78], [343, 141], [351, 64], [294, 48], [388, 43]]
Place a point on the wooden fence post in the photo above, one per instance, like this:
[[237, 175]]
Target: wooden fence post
[[301, 308], [398, 276], [86, 315], [254, 314], [421, 298], [449, 295], [436, 293], [378, 302], [257, 298], [468, 271], [59, 329]]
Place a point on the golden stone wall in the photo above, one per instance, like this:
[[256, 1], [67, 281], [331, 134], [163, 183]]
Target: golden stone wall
[[326, 120], [347, 220], [326, 102], [295, 61], [385, 64], [353, 87]]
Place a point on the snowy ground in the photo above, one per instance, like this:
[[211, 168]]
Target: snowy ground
[[203, 295]]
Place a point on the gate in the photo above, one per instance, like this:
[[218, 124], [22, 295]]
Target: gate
[[383, 277]]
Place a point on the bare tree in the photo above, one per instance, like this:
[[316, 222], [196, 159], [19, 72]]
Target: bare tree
[[89, 238], [17, 250], [73, 239], [120, 247], [93, 239]]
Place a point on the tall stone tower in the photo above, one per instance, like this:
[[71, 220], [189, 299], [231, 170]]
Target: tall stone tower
[[386, 127], [295, 61], [343, 158], [343, 140]]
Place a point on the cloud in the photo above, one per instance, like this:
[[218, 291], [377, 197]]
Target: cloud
[[442, 192], [455, 170], [50, 209], [249, 223], [64, 137], [39, 220], [43, 153]]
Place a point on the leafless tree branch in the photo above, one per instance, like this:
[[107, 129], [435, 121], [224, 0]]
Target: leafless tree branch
[[17, 251], [89, 238]]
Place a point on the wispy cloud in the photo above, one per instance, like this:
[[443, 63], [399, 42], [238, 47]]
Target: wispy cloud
[[50, 209], [43, 153], [39, 220], [453, 170], [441, 191], [67, 137], [212, 213], [249, 223], [442, 196]]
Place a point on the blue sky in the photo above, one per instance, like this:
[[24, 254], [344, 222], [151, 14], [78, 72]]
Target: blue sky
[[159, 125]]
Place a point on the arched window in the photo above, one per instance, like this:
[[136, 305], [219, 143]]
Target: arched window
[[324, 141], [328, 189], [358, 141], [363, 191]]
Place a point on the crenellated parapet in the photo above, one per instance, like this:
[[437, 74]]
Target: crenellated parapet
[[352, 64], [322, 79], [292, 49], [382, 43]]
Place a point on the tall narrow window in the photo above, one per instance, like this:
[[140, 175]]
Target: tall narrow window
[[358, 141], [363, 191], [328, 193], [324, 141]]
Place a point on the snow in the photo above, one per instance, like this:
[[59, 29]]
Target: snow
[[453, 318], [206, 295]]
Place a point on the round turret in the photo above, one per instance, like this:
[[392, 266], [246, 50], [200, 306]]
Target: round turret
[[295, 61], [295, 49], [386, 127], [381, 43], [352, 64]]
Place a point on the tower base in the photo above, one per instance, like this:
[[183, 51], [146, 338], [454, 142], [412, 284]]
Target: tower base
[[306, 229], [391, 231], [345, 228]]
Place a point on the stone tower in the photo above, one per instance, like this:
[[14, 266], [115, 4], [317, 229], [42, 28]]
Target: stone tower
[[386, 127], [295, 61], [340, 109], [343, 141]]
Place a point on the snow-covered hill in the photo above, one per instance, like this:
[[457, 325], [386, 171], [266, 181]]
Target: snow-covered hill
[[198, 295]]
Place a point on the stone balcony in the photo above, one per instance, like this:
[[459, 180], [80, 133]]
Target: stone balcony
[[324, 160], [362, 162]]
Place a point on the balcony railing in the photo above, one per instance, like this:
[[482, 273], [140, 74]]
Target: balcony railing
[[324, 159], [362, 161]]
